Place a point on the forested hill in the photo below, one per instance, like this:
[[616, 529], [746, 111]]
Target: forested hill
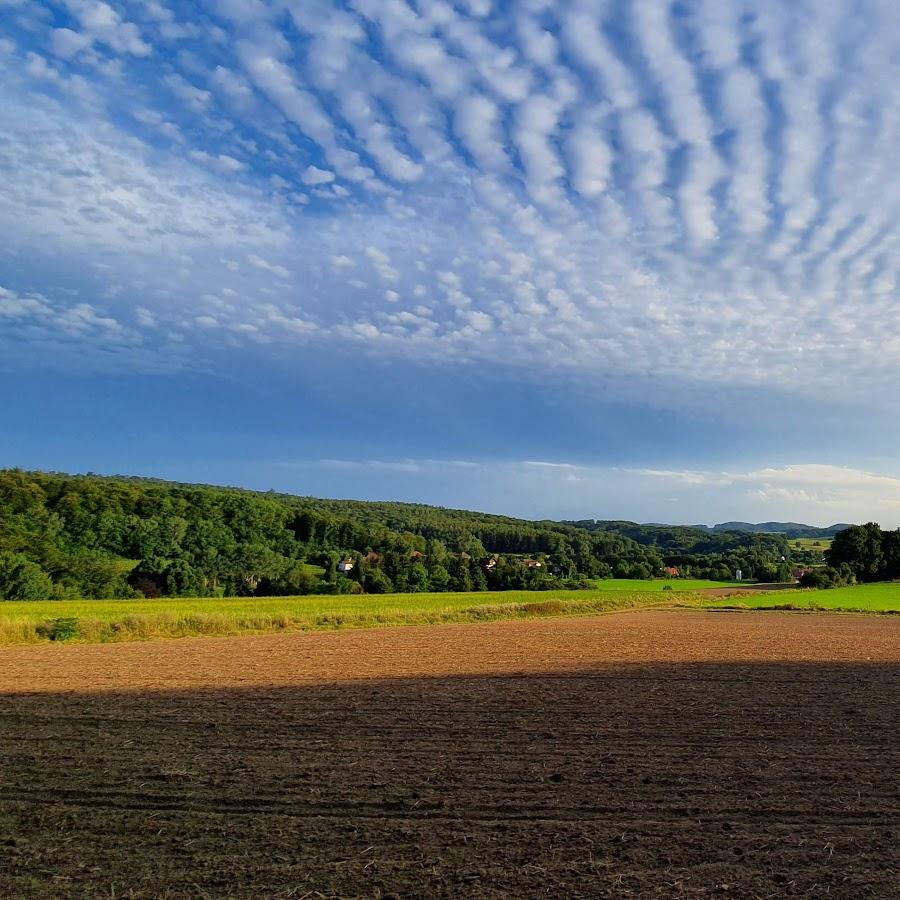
[[681, 534], [788, 529], [92, 536]]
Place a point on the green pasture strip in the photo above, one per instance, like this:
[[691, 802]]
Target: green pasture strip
[[875, 598], [821, 544], [657, 584], [122, 620]]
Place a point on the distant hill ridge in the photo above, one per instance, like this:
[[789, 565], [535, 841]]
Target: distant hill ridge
[[657, 532], [789, 529]]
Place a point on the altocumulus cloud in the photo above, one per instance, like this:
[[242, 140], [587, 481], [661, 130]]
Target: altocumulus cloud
[[624, 197], [702, 194]]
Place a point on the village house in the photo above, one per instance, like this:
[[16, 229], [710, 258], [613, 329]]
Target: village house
[[670, 571], [345, 566], [532, 563]]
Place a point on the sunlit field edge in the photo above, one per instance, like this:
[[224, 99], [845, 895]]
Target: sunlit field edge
[[124, 620], [119, 620], [878, 598]]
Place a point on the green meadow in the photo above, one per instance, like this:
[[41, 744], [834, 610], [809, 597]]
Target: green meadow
[[816, 544], [883, 597], [637, 584]]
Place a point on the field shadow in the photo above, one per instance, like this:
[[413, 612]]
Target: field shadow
[[741, 780]]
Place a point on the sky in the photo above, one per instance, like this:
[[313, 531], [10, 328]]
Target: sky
[[569, 259]]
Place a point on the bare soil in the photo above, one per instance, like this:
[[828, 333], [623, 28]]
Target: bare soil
[[643, 754]]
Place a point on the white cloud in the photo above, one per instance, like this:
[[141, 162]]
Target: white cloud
[[193, 97], [688, 116], [80, 183], [267, 266], [747, 113], [427, 56], [276, 80], [234, 88], [313, 175], [538, 44], [477, 122], [222, 162], [382, 263], [67, 43], [591, 160], [536, 122], [101, 23], [478, 320], [702, 207], [584, 38], [810, 492], [358, 108], [67, 332], [145, 317]]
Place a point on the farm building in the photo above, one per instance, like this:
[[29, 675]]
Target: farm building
[[670, 571], [532, 563], [345, 565]]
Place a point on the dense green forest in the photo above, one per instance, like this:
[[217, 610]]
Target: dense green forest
[[858, 553], [91, 536], [704, 553]]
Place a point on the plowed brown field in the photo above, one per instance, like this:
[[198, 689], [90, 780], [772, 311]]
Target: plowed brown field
[[650, 754]]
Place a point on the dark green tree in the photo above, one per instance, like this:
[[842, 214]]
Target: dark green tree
[[859, 547], [21, 579]]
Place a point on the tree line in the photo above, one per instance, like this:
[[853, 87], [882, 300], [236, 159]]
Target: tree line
[[702, 553], [90, 536], [859, 553]]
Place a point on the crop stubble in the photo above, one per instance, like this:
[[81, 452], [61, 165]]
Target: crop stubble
[[640, 754]]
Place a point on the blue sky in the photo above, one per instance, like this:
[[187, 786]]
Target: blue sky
[[581, 259]]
